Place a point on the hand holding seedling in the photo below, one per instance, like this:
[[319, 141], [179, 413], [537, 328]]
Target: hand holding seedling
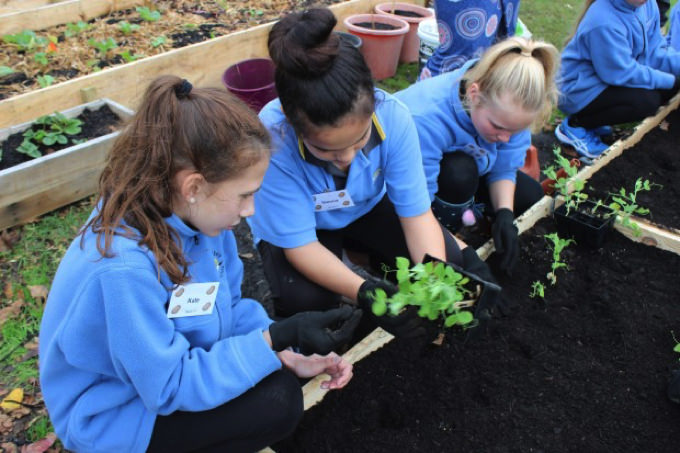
[[403, 321]]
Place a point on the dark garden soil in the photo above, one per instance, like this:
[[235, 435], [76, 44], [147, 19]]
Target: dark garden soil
[[96, 123], [585, 370], [656, 158]]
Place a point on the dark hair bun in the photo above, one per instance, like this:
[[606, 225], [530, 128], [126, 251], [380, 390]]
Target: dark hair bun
[[303, 45]]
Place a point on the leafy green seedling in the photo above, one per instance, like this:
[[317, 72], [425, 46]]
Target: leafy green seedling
[[26, 41], [74, 29], [128, 57], [41, 58], [5, 71], [127, 28], [45, 80], [435, 288], [537, 290], [158, 41], [148, 15], [55, 129], [104, 46], [557, 245], [29, 148], [625, 204], [574, 197]]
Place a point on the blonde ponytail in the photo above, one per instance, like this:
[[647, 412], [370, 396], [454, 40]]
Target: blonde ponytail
[[523, 68]]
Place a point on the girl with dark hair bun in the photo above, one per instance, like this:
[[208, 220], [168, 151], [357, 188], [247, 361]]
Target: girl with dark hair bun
[[346, 173], [146, 343]]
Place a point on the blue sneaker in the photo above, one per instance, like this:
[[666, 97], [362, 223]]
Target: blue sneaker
[[584, 141], [603, 131]]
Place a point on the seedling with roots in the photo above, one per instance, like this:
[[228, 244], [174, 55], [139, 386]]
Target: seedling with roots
[[435, 288], [556, 244], [574, 197], [625, 204]]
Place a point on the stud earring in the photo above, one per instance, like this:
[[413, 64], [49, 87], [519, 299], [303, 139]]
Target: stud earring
[[192, 200]]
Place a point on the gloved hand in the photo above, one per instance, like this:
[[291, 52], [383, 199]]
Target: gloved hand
[[407, 324], [315, 331], [493, 301], [505, 239]]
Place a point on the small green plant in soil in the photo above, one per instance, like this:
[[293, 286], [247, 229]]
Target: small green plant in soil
[[625, 204], [158, 41], [574, 197], [147, 14], [45, 80], [5, 71], [103, 46], [74, 29], [41, 58], [435, 288], [128, 57], [25, 41], [557, 245], [127, 28], [55, 129], [537, 290]]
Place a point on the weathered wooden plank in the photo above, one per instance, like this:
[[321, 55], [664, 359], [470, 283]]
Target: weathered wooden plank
[[652, 235], [51, 14], [202, 63]]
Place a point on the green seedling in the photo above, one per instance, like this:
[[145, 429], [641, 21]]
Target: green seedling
[[574, 197], [29, 148], [104, 46], [26, 41], [5, 71], [158, 41], [128, 57], [189, 27], [55, 129], [74, 29], [435, 288], [127, 28], [625, 204], [537, 290], [41, 58], [556, 244], [45, 80], [148, 15]]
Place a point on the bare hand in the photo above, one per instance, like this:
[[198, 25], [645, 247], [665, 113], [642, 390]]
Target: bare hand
[[339, 370]]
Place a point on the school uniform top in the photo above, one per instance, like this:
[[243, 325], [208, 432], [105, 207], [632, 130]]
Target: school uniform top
[[110, 358], [285, 208], [444, 126], [615, 44]]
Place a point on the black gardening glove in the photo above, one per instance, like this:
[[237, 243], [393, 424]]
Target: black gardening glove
[[474, 265], [315, 331], [505, 239], [407, 324]]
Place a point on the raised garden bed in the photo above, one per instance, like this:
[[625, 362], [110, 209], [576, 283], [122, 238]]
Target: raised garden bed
[[40, 185], [583, 370], [203, 63]]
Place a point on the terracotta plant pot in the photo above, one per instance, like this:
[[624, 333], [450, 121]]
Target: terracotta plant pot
[[252, 81], [584, 226], [382, 37], [549, 184], [413, 14]]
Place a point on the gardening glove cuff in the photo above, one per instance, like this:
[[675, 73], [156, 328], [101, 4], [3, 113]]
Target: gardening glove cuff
[[473, 264], [315, 331], [406, 324], [505, 239]]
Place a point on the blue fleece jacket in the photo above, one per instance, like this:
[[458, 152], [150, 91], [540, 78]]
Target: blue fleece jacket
[[445, 127], [615, 44], [111, 360]]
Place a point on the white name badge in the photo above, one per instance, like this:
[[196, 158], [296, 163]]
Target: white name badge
[[327, 201], [193, 299]]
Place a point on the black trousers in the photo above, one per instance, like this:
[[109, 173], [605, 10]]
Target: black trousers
[[378, 233], [263, 415], [617, 105], [459, 181]]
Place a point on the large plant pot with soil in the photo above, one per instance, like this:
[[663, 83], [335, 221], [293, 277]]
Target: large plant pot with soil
[[413, 15], [66, 172], [382, 37], [252, 81], [586, 223]]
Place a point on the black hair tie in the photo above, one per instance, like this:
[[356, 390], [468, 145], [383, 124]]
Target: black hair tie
[[183, 89]]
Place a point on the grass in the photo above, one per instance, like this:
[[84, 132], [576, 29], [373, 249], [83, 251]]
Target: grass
[[549, 20]]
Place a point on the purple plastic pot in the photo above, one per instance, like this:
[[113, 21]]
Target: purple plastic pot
[[252, 81]]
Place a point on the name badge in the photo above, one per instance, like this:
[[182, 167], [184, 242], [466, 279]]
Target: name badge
[[327, 201], [193, 299]]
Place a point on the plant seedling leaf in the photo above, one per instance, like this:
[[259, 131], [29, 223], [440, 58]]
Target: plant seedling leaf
[[677, 348]]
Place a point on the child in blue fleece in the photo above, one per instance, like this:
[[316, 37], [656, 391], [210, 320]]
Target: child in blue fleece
[[466, 29], [473, 125], [346, 173], [146, 343], [616, 68]]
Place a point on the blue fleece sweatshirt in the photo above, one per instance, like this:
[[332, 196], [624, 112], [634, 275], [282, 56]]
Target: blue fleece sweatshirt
[[615, 44], [445, 127], [111, 360]]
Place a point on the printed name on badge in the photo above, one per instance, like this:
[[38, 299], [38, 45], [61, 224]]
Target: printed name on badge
[[327, 201], [193, 299]]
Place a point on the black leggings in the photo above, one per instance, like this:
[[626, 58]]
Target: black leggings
[[263, 415], [459, 181], [377, 233], [617, 105]]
